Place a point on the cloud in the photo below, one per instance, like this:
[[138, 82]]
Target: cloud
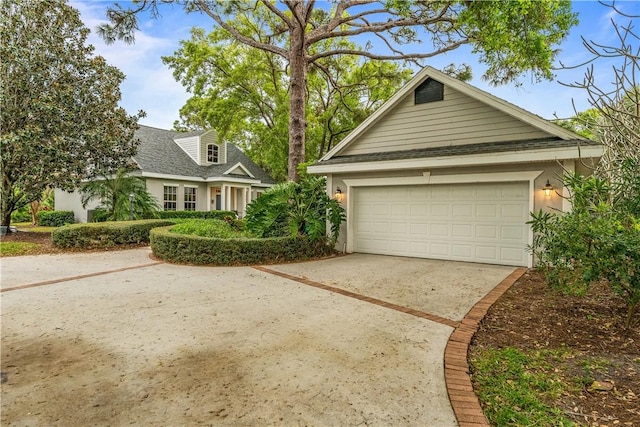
[[149, 84]]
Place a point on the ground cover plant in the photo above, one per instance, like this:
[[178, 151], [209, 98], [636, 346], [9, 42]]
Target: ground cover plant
[[212, 228], [573, 352]]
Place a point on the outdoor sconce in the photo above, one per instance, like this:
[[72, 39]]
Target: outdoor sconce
[[548, 188], [339, 196]]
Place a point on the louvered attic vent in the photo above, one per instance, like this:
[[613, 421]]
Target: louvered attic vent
[[429, 91]]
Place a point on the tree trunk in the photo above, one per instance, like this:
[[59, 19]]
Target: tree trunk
[[297, 103], [35, 208], [6, 205]]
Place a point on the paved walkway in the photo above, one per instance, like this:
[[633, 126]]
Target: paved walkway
[[389, 367]]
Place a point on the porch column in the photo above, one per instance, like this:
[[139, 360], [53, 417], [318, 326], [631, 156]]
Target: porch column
[[223, 196], [227, 205], [244, 200], [208, 205]]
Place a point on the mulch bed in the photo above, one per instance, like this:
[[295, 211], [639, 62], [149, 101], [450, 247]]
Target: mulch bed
[[531, 316]]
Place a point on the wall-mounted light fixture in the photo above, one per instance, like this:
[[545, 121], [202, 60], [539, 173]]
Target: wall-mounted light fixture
[[339, 195], [548, 188]]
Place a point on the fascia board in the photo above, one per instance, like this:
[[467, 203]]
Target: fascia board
[[454, 161]]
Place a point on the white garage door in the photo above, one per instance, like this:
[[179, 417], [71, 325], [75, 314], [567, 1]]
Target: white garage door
[[465, 222]]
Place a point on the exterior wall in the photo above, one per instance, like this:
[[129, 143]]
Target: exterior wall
[[155, 186], [190, 146], [457, 120], [65, 201], [551, 171]]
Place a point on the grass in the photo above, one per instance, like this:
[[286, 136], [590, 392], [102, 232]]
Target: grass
[[18, 248], [515, 386], [26, 226], [209, 228]]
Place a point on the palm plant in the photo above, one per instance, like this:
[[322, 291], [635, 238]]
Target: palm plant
[[113, 193], [293, 209]]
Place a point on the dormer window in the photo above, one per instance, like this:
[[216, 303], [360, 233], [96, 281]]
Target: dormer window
[[429, 91], [212, 153]]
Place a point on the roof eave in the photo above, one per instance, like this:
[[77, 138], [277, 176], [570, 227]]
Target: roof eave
[[564, 153]]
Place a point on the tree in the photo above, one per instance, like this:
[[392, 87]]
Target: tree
[[242, 92], [511, 37], [113, 192], [60, 121]]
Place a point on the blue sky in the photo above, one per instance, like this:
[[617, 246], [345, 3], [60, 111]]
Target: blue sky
[[150, 86]]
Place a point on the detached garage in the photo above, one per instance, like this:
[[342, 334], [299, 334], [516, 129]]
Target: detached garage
[[444, 170]]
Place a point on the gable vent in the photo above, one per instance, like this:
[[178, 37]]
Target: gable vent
[[429, 91]]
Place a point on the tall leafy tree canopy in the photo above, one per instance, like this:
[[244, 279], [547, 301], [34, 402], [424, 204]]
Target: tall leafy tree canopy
[[242, 92], [510, 36], [59, 115]]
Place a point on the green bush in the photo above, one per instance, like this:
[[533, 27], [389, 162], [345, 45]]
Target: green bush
[[210, 228], [292, 209], [196, 214], [55, 218], [597, 240], [199, 250], [105, 234], [21, 215]]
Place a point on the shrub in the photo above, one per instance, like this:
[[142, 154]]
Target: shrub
[[196, 214], [596, 240], [55, 218], [105, 234], [293, 209], [21, 215], [210, 228], [199, 250]]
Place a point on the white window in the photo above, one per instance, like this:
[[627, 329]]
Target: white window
[[170, 198], [212, 153], [190, 198]]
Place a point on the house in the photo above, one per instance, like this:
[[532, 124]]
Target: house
[[444, 170], [191, 171]]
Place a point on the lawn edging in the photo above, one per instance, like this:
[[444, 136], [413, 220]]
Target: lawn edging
[[198, 250], [464, 401]]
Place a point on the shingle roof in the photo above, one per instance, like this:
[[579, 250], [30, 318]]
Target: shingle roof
[[158, 153], [459, 150]]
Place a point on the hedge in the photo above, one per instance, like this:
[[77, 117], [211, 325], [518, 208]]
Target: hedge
[[55, 218], [190, 249], [105, 234], [195, 214]]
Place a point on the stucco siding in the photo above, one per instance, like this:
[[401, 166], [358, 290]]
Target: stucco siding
[[457, 120], [65, 201]]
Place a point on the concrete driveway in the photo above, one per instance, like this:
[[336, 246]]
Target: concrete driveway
[[117, 339]]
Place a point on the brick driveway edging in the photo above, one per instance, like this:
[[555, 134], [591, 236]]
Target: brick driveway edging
[[464, 401]]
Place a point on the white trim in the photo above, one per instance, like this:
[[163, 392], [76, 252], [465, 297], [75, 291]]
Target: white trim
[[191, 186], [428, 179], [546, 155], [164, 184], [206, 149], [200, 179], [467, 89], [241, 166]]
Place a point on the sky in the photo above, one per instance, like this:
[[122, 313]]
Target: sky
[[150, 86]]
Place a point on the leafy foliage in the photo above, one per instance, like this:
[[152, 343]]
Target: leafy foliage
[[296, 209], [113, 194], [210, 228], [242, 92], [196, 214], [55, 218], [105, 234], [599, 239], [60, 120], [199, 250], [511, 37]]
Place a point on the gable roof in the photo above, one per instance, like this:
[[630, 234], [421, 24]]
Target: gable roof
[[552, 130], [159, 154]]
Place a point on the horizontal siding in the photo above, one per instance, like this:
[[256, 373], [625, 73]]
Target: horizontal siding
[[189, 146], [457, 120]]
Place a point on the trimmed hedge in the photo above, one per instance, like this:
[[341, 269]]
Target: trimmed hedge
[[105, 234], [195, 214], [55, 218], [190, 249]]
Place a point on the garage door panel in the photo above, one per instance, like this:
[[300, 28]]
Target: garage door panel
[[465, 222]]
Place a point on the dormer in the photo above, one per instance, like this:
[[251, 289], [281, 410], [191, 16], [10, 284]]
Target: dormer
[[204, 148]]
